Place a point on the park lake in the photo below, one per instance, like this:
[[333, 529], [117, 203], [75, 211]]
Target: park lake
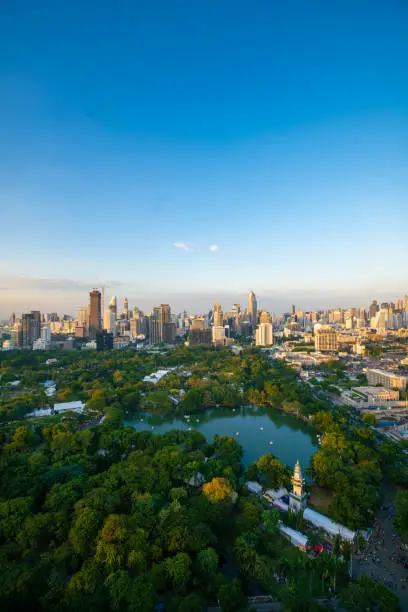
[[258, 430]]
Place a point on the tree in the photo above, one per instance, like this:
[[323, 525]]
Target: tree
[[207, 561], [370, 419], [217, 490], [178, 570], [271, 519], [230, 597]]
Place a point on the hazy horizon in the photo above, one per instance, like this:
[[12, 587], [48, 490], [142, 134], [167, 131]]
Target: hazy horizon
[[67, 301]]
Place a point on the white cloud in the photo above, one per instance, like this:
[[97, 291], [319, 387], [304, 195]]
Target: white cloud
[[214, 247], [181, 245]]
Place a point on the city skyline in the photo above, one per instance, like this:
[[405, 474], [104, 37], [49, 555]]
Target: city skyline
[[202, 303], [257, 149]]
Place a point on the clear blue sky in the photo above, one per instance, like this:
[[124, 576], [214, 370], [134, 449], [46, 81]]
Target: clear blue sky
[[277, 131]]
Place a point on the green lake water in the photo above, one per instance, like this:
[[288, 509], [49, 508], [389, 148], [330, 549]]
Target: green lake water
[[292, 439]]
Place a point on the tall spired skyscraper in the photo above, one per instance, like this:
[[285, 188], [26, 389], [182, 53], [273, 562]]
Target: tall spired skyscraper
[[252, 309]]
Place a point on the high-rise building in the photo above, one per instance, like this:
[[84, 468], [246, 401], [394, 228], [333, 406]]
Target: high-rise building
[[252, 309], [12, 320], [94, 312], [46, 333], [154, 326], [17, 334], [264, 334], [113, 306], [36, 325], [382, 320], [326, 338], [373, 309], [27, 330], [126, 307], [199, 337], [406, 302], [218, 315], [218, 334], [265, 317], [198, 323], [108, 321]]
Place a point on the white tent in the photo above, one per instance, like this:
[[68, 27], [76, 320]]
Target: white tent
[[254, 487], [329, 526], [297, 538]]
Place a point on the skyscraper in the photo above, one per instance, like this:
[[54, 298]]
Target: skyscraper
[[108, 321], [218, 316], [252, 309], [154, 326], [36, 325], [113, 306], [27, 327], [265, 317], [94, 312], [126, 307], [264, 334]]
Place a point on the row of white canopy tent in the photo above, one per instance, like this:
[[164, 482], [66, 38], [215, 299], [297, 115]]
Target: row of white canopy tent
[[329, 526]]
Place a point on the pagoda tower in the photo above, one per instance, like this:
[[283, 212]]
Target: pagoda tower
[[298, 496]]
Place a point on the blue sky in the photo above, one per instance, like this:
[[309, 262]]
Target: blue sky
[[277, 131]]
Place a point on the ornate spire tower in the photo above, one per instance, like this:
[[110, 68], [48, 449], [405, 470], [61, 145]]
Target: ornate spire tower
[[297, 497]]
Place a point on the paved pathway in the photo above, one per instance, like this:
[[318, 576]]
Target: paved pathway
[[382, 559]]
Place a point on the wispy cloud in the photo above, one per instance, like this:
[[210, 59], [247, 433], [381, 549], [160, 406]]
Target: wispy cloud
[[214, 247], [182, 245]]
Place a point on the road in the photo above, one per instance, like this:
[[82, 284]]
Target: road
[[380, 560]]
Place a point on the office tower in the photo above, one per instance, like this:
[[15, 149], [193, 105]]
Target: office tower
[[198, 323], [12, 320], [218, 334], [200, 337], [406, 302], [373, 309], [113, 307], [326, 338], [264, 334], [154, 326], [293, 309], [126, 307], [36, 325], [94, 312], [27, 323], [265, 317], [17, 334], [399, 305], [382, 320], [108, 321], [46, 333], [252, 309], [218, 315], [104, 340], [82, 316], [167, 325], [169, 332]]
